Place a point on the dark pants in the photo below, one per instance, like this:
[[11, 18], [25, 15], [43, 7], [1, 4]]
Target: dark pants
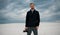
[[30, 29]]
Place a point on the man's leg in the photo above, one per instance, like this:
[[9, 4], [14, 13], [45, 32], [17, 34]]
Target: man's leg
[[35, 31], [29, 31]]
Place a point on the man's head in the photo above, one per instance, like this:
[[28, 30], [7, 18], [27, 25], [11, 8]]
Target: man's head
[[32, 5]]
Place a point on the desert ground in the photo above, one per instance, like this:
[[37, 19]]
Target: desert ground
[[45, 28]]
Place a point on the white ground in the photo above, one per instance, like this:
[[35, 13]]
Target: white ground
[[17, 29]]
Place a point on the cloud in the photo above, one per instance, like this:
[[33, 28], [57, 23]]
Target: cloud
[[51, 14], [15, 10], [12, 13]]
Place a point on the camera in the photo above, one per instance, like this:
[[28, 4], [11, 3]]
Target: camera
[[26, 30]]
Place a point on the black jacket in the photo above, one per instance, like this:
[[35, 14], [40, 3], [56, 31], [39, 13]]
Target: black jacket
[[32, 19]]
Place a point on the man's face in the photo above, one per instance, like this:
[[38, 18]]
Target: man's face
[[32, 6]]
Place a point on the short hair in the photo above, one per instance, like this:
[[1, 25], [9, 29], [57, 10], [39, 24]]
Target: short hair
[[31, 3]]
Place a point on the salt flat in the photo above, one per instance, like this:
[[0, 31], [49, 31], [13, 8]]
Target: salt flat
[[45, 28]]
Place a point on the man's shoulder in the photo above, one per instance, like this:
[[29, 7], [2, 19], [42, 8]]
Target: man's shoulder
[[36, 11], [28, 11]]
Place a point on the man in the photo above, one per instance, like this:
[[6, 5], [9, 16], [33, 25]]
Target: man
[[32, 21]]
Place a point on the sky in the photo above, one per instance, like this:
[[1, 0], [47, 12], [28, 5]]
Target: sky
[[15, 10]]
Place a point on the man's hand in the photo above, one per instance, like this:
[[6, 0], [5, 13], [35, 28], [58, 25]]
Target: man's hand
[[26, 27], [37, 27]]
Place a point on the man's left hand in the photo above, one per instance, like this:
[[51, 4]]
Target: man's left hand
[[37, 27]]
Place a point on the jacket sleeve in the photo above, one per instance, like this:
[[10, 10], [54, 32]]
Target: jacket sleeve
[[26, 20], [38, 19]]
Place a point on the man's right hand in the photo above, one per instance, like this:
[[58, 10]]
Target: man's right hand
[[26, 27]]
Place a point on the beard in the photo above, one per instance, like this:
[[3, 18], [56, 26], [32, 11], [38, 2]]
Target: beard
[[32, 8]]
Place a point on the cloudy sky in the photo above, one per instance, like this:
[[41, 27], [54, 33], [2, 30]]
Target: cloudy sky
[[15, 10]]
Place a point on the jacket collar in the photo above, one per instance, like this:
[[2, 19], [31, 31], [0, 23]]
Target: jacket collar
[[31, 10]]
